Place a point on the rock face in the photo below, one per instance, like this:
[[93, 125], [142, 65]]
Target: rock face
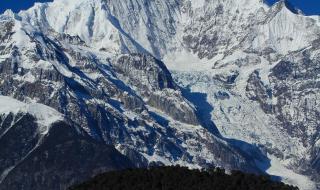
[[37, 155], [61, 159], [145, 72], [106, 99], [240, 92], [153, 81]]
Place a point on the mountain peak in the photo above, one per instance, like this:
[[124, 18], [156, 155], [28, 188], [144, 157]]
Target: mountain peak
[[8, 14], [288, 5], [99, 63]]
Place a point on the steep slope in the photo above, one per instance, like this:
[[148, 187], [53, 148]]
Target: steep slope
[[260, 75], [40, 150], [127, 100], [114, 26], [118, 100], [249, 68]]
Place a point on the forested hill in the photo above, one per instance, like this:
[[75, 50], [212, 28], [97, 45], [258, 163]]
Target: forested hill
[[180, 178]]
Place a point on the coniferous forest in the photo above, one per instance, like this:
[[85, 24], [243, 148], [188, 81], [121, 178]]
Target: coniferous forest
[[180, 178]]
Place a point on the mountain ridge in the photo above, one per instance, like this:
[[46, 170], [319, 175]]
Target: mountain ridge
[[224, 58]]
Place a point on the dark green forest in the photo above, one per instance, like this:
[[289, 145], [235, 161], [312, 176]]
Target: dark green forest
[[180, 178]]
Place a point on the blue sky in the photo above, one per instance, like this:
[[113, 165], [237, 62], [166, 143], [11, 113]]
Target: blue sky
[[309, 7], [17, 5]]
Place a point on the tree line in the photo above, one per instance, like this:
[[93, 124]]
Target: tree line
[[180, 178]]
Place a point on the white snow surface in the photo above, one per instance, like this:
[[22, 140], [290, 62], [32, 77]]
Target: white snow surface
[[122, 27], [45, 115], [288, 176]]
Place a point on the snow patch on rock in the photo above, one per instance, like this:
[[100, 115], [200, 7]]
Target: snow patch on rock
[[45, 115]]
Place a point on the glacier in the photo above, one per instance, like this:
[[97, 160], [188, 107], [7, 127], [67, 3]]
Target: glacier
[[198, 83]]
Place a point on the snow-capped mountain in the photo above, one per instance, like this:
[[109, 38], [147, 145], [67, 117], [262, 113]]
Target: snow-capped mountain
[[198, 83]]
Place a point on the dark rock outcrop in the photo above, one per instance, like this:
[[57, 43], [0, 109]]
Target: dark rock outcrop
[[54, 161]]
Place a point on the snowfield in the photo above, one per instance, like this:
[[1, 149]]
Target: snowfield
[[241, 90], [45, 115]]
